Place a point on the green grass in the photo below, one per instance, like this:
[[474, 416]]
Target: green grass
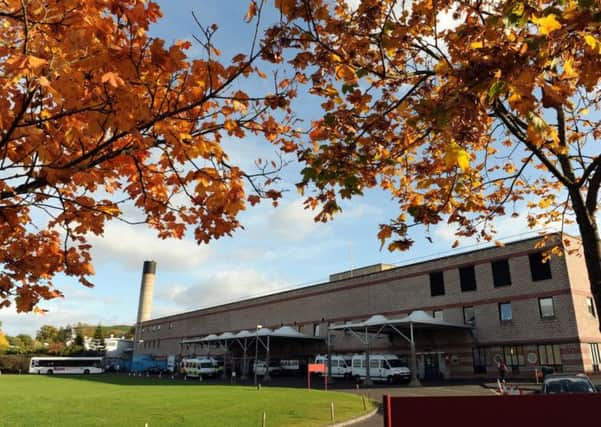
[[109, 400]]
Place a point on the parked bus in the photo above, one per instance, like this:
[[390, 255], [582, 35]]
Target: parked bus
[[65, 365]]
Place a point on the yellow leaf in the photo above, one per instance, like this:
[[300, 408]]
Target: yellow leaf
[[547, 25], [456, 155], [591, 41], [476, 45], [568, 69], [584, 111], [518, 9]]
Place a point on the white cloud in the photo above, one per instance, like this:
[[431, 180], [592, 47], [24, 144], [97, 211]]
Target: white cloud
[[505, 226], [130, 245], [217, 288], [292, 222], [61, 313]]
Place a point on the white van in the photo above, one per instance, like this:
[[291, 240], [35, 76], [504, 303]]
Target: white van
[[340, 364], [199, 366], [290, 366], [260, 368], [382, 367]]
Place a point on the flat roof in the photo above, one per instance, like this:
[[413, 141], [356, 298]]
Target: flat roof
[[283, 292]]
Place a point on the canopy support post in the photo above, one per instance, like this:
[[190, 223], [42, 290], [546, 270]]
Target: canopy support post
[[413, 360]]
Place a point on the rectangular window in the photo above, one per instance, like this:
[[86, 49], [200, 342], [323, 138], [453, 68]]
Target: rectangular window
[[467, 278], [479, 358], [374, 363], [550, 355], [500, 273], [436, 283], [590, 305], [505, 313], [538, 269], [595, 356], [546, 309], [514, 357], [469, 315], [438, 315]]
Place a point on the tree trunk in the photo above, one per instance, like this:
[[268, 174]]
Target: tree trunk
[[591, 243]]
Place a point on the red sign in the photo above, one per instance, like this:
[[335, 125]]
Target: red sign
[[317, 367]]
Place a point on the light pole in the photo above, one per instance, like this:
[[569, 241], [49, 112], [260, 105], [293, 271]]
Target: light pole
[[256, 351]]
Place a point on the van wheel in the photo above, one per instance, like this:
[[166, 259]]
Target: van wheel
[[86, 372], [50, 372]]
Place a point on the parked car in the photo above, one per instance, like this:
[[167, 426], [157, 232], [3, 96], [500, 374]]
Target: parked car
[[260, 367], [566, 383]]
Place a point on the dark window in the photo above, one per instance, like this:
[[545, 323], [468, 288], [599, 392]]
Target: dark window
[[545, 307], [590, 304], [505, 312], [479, 358], [467, 277], [469, 315], [500, 273], [436, 283], [549, 355], [540, 270], [595, 356]]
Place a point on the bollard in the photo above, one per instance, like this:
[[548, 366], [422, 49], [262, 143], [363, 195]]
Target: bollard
[[332, 411], [200, 378], [364, 403], [172, 377], [357, 386], [264, 423], [258, 386]]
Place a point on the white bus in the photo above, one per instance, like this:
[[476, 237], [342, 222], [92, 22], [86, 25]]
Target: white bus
[[65, 365]]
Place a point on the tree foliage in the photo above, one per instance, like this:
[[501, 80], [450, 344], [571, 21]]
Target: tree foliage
[[3, 342], [47, 334], [97, 118], [462, 110]]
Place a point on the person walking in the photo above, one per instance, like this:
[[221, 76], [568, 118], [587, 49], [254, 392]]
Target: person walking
[[502, 370]]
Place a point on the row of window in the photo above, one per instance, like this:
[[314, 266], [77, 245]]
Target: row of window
[[513, 355], [546, 310], [539, 270], [155, 328], [152, 343]]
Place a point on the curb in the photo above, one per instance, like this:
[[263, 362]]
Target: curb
[[355, 420]]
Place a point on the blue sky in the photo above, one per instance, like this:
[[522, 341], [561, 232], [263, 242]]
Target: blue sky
[[278, 249]]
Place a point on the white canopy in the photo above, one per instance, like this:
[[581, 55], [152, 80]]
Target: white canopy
[[418, 318], [282, 332]]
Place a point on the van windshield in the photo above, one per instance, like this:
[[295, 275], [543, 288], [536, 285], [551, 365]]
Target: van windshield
[[394, 363], [206, 365]]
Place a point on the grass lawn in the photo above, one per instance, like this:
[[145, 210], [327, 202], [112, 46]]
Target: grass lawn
[[110, 400]]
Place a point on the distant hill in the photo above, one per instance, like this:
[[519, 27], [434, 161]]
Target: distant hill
[[126, 331]]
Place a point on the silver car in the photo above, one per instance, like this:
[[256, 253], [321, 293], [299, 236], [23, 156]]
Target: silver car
[[566, 383]]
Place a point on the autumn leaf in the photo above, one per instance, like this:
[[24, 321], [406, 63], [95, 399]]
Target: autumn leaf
[[455, 155], [112, 79], [547, 24], [345, 72], [251, 11]]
